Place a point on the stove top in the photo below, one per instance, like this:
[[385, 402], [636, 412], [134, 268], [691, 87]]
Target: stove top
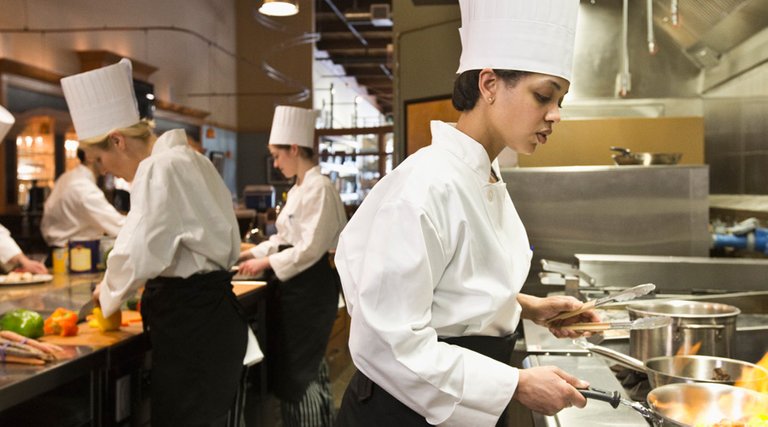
[[635, 383]]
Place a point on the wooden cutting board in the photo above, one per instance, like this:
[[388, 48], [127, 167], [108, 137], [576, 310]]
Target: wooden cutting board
[[93, 337]]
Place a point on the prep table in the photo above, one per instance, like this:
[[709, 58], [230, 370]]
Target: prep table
[[100, 383]]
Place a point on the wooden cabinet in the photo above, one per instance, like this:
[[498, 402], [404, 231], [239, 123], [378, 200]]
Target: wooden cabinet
[[337, 353]]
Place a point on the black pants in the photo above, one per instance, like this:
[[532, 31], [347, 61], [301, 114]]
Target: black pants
[[198, 333], [366, 404]]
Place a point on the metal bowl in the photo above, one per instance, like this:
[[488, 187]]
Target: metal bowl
[[627, 157]]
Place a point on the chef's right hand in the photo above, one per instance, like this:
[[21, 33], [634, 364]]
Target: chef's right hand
[[549, 389]]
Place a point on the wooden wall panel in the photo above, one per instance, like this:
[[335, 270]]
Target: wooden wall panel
[[579, 142]]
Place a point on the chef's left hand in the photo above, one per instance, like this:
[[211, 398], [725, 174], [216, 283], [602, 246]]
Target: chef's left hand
[[254, 267], [540, 310]]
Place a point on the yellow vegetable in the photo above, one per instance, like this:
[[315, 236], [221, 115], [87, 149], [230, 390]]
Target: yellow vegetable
[[111, 323]]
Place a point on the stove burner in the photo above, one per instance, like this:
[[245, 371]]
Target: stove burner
[[635, 383]]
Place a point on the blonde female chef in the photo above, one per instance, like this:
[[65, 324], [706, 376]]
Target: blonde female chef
[[179, 241], [433, 261], [305, 290], [11, 255]]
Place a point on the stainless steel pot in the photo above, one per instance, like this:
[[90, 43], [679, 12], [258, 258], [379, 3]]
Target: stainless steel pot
[[697, 328], [627, 157]]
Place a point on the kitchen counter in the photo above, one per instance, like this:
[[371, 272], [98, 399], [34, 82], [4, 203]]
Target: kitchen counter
[[98, 367]]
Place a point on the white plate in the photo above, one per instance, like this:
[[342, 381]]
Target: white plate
[[36, 278]]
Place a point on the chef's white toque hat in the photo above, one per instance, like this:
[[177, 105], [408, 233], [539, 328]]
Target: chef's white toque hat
[[6, 121], [525, 35], [293, 125], [101, 100]]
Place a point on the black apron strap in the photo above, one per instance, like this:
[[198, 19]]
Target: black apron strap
[[366, 404], [198, 333]]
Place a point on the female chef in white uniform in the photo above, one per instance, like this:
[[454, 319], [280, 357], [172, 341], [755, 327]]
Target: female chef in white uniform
[[305, 291], [11, 255], [179, 241], [433, 261]]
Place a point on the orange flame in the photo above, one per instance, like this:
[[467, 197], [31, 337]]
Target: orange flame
[[685, 350], [755, 379], [753, 412]]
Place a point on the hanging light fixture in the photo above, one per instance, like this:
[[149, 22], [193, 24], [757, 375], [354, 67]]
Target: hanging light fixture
[[279, 7]]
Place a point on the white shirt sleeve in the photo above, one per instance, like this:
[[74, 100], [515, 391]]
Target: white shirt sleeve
[[269, 246], [100, 212], [146, 244], [8, 247], [319, 230], [389, 269]]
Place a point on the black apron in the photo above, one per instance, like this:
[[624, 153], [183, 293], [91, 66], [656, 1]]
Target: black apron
[[198, 333], [300, 315], [367, 404]]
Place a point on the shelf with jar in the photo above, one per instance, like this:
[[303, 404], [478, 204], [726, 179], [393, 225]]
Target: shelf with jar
[[355, 159]]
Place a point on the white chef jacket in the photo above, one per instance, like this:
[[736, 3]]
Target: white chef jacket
[[311, 220], [181, 222], [8, 247], [78, 210], [436, 250]]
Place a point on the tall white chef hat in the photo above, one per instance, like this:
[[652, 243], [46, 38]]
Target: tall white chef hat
[[6, 121], [101, 100], [525, 35], [293, 125]]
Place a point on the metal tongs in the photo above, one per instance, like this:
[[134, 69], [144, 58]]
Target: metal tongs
[[641, 323], [624, 295]]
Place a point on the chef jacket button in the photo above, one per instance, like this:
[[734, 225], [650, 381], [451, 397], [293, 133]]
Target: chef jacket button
[[490, 195]]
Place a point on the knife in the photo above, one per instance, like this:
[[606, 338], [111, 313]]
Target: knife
[[85, 310], [641, 323], [624, 295]]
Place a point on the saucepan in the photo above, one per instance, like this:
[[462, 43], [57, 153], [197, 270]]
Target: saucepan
[[687, 404], [627, 157], [688, 369]]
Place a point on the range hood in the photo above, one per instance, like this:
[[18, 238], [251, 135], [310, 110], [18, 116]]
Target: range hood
[[706, 29]]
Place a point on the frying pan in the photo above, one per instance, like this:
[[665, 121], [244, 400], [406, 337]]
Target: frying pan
[[627, 157], [687, 369], [686, 404]]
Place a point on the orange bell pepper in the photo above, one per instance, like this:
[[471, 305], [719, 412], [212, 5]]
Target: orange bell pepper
[[61, 322]]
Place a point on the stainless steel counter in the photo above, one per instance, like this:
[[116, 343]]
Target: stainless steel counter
[[596, 413]]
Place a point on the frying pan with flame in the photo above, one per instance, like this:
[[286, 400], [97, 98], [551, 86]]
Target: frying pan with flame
[[687, 404]]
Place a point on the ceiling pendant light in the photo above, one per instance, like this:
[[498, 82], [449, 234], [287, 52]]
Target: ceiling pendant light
[[279, 7]]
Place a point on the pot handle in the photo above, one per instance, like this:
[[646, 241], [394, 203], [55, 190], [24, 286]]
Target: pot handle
[[612, 397], [694, 326], [618, 357], [622, 150]]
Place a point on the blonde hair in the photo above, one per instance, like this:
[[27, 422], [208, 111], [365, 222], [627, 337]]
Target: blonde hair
[[142, 130]]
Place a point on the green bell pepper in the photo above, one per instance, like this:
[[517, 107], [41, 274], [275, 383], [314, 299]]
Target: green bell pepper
[[24, 322]]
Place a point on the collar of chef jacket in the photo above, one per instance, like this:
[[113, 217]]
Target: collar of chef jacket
[[170, 139], [445, 137]]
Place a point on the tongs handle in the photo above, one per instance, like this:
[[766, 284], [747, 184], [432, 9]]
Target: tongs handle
[[598, 326], [589, 305]]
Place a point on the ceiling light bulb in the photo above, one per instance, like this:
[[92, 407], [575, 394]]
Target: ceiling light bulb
[[279, 7]]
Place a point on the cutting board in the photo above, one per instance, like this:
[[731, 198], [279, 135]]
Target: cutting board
[[93, 337]]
